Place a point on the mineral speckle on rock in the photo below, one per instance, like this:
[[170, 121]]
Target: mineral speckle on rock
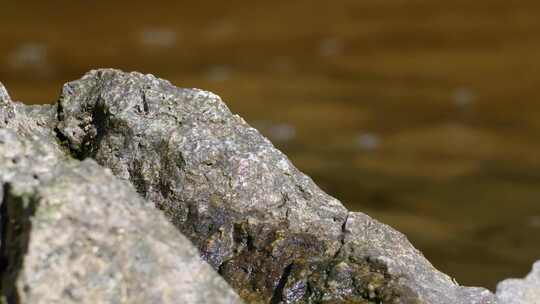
[[521, 291], [74, 233], [261, 223]]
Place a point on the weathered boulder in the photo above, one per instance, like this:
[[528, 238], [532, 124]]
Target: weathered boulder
[[265, 226], [74, 233], [521, 291]]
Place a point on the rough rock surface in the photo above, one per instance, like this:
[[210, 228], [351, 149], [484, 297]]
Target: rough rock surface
[[521, 291], [74, 233], [265, 226]]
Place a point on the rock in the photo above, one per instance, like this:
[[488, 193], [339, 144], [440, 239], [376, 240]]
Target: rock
[[74, 233], [521, 291], [5, 106], [4, 96], [264, 225]]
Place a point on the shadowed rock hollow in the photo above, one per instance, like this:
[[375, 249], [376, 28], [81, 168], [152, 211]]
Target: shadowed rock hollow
[[261, 223]]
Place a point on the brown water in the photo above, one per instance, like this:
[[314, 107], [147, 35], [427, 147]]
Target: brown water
[[423, 114]]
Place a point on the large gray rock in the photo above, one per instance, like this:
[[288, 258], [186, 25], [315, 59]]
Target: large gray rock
[[265, 226], [74, 233], [521, 291]]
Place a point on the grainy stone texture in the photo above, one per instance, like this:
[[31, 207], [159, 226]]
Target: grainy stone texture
[[4, 96], [521, 291], [74, 233], [6, 107], [265, 226]]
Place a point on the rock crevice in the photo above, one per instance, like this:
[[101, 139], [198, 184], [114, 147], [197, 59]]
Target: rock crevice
[[15, 214]]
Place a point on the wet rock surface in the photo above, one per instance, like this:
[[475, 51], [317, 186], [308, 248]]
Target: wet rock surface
[[74, 233], [521, 291], [261, 223]]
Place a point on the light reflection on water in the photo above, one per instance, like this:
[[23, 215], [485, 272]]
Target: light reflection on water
[[425, 115]]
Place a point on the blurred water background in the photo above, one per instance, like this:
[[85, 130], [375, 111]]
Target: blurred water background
[[423, 114]]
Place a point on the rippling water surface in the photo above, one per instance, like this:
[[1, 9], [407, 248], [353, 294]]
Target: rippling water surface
[[423, 114]]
